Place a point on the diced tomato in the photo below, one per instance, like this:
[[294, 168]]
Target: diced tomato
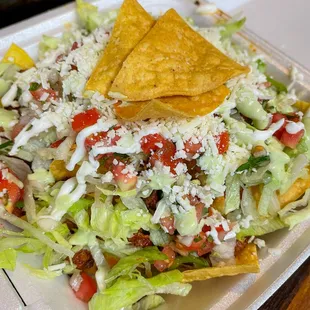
[[91, 140], [162, 265], [206, 228], [200, 244], [85, 119], [13, 192], [152, 142], [165, 156], [192, 148], [125, 180], [55, 144], [199, 210], [291, 140], [37, 94], [275, 118], [168, 223], [206, 248], [222, 142], [87, 289]]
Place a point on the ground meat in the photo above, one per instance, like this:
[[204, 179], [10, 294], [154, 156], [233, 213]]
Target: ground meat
[[151, 201], [141, 240], [71, 225], [18, 212], [83, 259], [240, 246]]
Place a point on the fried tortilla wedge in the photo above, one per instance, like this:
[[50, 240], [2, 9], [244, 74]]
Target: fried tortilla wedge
[[246, 262], [175, 106], [172, 59], [131, 25], [296, 190]]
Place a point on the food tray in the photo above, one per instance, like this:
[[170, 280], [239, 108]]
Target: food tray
[[290, 249]]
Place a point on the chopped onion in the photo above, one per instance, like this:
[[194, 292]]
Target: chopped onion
[[63, 150], [56, 267], [75, 281], [18, 166], [187, 240], [37, 233]]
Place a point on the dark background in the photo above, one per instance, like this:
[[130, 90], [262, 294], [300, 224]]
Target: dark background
[[12, 11]]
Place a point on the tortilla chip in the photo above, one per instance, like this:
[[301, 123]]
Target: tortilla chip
[[173, 59], [295, 191], [292, 194], [302, 106], [19, 57], [246, 262], [131, 25], [176, 106], [219, 204]]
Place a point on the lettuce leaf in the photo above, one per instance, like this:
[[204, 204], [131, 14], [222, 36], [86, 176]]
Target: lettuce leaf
[[47, 43], [264, 202], [6, 118], [43, 273], [232, 201], [91, 18], [261, 227], [159, 237], [128, 264], [232, 27], [8, 259], [81, 204], [198, 262], [148, 303], [125, 292]]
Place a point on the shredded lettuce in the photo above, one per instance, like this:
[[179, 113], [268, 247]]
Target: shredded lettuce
[[232, 199], [91, 18], [148, 303], [7, 118], [81, 204], [126, 291], [35, 232], [265, 199], [198, 262], [186, 223], [248, 204], [261, 227], [8, 259], [159, 237], [230, 28], [128, 264], [280, 87], [22, 244], [117, 222], [47, 43], [43, 273]]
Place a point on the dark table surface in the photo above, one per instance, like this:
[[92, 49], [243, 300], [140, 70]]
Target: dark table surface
[[294, 294]]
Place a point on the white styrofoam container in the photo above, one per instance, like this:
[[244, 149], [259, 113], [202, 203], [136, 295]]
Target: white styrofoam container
[[18, 290]]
